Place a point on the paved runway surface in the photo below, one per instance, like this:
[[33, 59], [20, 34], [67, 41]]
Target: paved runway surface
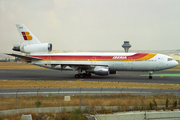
[[89, 91], [47, 74]]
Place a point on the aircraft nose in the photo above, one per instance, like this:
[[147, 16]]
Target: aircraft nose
[[176, 63], [172, 64]]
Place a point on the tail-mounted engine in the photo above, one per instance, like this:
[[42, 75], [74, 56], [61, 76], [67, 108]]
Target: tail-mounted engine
[[43, 47]]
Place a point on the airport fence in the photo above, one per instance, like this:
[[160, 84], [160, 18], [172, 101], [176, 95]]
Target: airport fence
[[119, 99]]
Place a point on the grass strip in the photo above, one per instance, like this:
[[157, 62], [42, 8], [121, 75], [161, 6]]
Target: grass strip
[[50, 100]]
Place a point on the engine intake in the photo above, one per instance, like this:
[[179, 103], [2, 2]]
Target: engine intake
[[16, 47]]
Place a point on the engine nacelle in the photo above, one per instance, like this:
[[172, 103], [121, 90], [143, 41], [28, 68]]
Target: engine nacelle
[[43, 47], [16, 46], [101, 70]]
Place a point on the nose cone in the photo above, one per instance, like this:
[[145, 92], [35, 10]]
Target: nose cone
[[171, 64], [175, 63]]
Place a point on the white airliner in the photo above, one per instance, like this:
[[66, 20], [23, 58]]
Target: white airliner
[[87, 63]]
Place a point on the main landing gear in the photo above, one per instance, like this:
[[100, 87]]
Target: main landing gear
[[150, 74], [83, 75]]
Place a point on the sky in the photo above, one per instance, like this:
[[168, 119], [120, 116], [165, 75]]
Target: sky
[[93, 25]]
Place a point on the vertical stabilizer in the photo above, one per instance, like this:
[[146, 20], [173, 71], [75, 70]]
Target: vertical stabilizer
[[26, 35]]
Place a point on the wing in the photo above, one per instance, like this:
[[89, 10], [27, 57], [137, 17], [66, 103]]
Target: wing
[[61, 66], [72, 66], [24, 57]]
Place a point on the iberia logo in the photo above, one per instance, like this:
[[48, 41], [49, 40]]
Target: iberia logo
[[26, 36], [119, 57]]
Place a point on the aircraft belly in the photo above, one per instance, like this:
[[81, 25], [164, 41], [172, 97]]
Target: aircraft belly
[[133, 66], [144, 66], [119, 66]]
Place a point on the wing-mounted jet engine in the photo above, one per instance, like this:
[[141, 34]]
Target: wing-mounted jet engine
[[101, 70]]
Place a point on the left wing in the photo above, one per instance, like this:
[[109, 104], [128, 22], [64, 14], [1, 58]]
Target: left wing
[[24, 57]]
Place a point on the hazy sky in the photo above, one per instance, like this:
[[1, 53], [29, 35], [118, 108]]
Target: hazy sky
[[90, 25]]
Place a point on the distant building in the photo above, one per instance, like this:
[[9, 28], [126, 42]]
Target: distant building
[[10, 59]]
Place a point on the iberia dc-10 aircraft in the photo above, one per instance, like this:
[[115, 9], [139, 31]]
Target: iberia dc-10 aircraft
[[87, 63]]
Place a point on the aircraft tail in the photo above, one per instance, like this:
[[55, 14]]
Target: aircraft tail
[[26, 35], [30, 43]]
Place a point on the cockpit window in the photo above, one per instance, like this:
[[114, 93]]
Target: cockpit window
[[170, 59]]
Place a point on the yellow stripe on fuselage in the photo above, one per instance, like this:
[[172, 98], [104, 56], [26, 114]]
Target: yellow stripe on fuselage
[[147, 57]]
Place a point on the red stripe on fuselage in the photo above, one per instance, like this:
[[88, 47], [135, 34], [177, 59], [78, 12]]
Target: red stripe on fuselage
[[73, 57]]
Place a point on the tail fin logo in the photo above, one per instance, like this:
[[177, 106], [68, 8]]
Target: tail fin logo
[[26, 36]]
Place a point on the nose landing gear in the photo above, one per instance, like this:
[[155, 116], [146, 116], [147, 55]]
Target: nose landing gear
[[150, 74]]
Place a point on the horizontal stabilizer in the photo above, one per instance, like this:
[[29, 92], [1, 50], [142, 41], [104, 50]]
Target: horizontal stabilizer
[[24, 57]]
